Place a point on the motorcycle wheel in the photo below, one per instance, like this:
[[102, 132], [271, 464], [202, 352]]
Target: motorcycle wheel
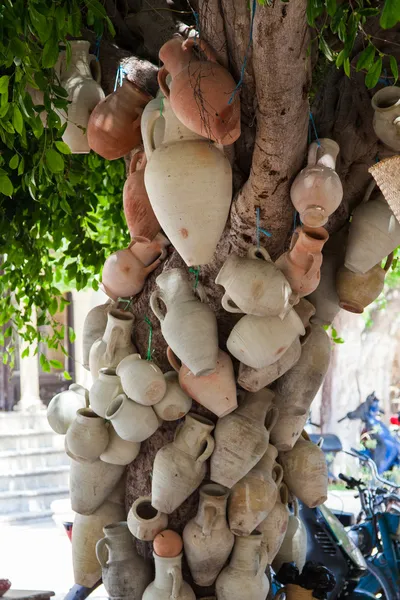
[[387, 591]]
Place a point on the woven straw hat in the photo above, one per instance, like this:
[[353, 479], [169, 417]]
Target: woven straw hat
[[387, 175]]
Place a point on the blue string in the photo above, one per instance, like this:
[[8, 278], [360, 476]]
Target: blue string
[[243, 69], [119, 77], [315, 130], [196, 18], [260, 229], [384, 80], [97, 47]]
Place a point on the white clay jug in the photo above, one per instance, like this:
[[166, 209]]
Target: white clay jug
[[119, 451], [91, 483], [141, 380], [94, 327], [189, 184], [132, 421], [153, 125], [144, 521], [62, 408], [294, 544], [189, 326], [104, 390], [168, 583], [87, 436], [386, 123]]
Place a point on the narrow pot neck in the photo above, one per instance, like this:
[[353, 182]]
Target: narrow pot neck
[[119, 542], [123, 322], [191, 436], [324, 153], [246, 553], [174, 57], [211, 513], [109, 376], [175, 131], [79, 60], [310, 240], [255, 406], [174, 285], [163, 578], [89, 419], [267, 461]]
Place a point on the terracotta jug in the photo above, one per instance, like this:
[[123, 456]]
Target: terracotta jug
[[317, 190], [292, 591], [375, 221], [114, 125], [294, 544], [144, 521], [302, 263], [147, 252], [253, 380], [289, 426], [305, 472], [216, 392], [93, 328], [115, 344], [175, 403], [207, 539], [141, 380], [191, 198], [386, 123], [153, 112], [88, 529], [124, 275], [91, 483], [84, 93], [357, 290], [179, 467], [245, 575], [241, 438], [274, 527], [119, 451], [168, 583], [125, 574], [104, 390], [254, 285], [189, 326], [260, 341], [140, 218], [201, 91], [132, 421], [62, 408], [87, 436], [254, 496]]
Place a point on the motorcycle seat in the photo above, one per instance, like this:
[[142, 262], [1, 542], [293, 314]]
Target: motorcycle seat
[[331, 442]]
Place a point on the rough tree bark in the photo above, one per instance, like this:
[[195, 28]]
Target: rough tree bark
[[269, 153]]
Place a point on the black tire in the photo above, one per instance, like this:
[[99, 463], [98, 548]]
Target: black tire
[[388, 589]]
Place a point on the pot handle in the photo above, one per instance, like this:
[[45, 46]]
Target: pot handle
[[152, 267], [204, 47], [396, 122], [272, 417], [253, 251], [284, 493], [177, 430], [162, 81], [95, 67], [138, 156], [278, 472], [201, 292], [368, 191], [312, 154], [210, 516], [295, 507], [154, 299], [173, 360], [228, 305], [110, 349], [263, 560], [304, 338], [147, 127], [177, 581], [102, 552], [208, 450], [388, 262]]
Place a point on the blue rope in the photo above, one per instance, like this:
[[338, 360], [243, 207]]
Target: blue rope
[[119, 77], [260, 229], [384, 80], [315, 130], [97, 47], [243, 69]]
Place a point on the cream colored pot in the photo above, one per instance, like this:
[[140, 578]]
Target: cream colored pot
[[144, 521], [119, 451], [141, 380], [132, 421], [175, 403], [386, 123], [87, 436], [62, 408], [104, 390]]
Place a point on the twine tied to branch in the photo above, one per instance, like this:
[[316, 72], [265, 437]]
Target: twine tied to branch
[[196, 272], [260, 229]]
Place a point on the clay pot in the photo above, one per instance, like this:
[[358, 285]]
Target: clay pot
[[114, 125], [140, 218], [207, 539], [153, 112], [124, 275], [189, 183], [254, 285], [302, 263], [254, 380], [305, 310], [386, 123], [168, 583], [133, 422], [88, 530], [241, 438], [84, 93], [289, 426], [358, 290], [62, 408], [147, 252], [294, 544], [125, 574], [175, 403], [200, 91], [115, 344], [375, 221], [168, 544], [87, 436], [260, 341], [141, 380], [274, 527], [93, 328], [305, 472], [216, 392], [179, 467], [144, 521], [294, 592], [317, 190], [91, 483], [104, 390], [189, 326], [245, 573], [254, 496], [119, 451]]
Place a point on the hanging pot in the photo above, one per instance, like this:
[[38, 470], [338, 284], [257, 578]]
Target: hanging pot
[[87, 436], [274, 527], [141, 380], [93, 328], [62, 408], [294, 544], [144, 521], [119, 451], [386, 123], [133, 422], [104, 390], [175, 403]]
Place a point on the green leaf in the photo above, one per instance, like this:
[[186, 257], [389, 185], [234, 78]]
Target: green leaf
[[14, 162], [366, 59], [331, 7], [25, 353], [391, 14], [66, 375], [21, 166], [54, 161], [6, 187], [71, 335], [17, 120], [346, 66], [56, 364], [340, 59], [394, 68], [326, 49], [39, 22], [374, 73], [44, 363], [4, 81], [63, 147], [50, 52]]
